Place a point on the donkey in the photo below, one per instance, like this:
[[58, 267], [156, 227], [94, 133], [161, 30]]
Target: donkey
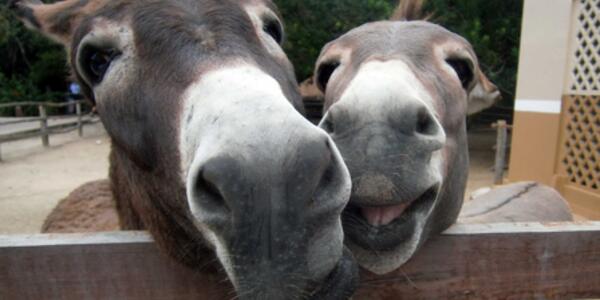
[[396, 98], [209, 150]]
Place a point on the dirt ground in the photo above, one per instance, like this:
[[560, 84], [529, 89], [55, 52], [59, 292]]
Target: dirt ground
[[34, 179]]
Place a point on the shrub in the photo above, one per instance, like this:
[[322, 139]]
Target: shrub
[[32, 68], [492, 27], [310, 24]]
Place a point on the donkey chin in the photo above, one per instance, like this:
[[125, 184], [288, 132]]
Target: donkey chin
[[389, 213]]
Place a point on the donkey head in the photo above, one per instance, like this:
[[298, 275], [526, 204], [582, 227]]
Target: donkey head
[[209, 149], [396, 98]]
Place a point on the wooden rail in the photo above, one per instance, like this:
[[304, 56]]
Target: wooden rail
[[474, 261], [45, 130]]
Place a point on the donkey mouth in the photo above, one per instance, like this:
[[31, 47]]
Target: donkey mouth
[[384, 227], [341, 282], [382, 215]]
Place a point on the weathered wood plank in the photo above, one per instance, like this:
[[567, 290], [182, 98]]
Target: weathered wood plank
[[469, 261], [118, 265], [498, 261]]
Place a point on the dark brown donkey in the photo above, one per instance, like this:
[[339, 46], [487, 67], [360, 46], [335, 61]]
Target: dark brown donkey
[[396, 98], [208, 151]]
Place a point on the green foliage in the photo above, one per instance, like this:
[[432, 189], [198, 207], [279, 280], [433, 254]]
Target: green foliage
[[32, 67], [49, 71], [4, 28], [19, 89], [310, 24], [492, 27]]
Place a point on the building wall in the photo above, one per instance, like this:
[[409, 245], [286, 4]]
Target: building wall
[[542, 66], [556, 126]]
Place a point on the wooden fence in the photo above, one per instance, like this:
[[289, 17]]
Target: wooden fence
[[45, 130], [501, 149], [474, 261]]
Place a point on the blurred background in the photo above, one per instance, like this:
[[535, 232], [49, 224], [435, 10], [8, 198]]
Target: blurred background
[[33, 68]]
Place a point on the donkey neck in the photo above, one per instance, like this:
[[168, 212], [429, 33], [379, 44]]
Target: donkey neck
[[145, 202]]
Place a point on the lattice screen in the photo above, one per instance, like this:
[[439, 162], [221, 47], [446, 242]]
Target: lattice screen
[[585, 64], [582, 141], [581, 115]]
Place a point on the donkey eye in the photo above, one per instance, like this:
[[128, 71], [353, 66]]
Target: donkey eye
[[324, 73], [273, 28], [463, 70], [95, 62]]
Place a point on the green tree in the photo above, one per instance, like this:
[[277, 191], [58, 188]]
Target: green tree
[[32, 67], [492, 27], [310, 24]]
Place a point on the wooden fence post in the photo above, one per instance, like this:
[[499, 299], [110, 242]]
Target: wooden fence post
[[44, 125], [79, 119], [19, 111], [500, 160]]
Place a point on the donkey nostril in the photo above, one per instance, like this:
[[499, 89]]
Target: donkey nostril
[[328, 126], [332, 190], [325, 182], [209, 194], [425, 124], [328, 123], [327, 176]]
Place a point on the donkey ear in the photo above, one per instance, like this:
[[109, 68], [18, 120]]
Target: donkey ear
[[55, 20], [482, 95]]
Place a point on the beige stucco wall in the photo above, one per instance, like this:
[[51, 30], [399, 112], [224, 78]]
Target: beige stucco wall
[[543, 60], [544, 49]]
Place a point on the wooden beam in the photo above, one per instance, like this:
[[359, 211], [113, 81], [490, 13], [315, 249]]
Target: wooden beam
[[474, 261], [498, 261], [116, 265], [50, 130]]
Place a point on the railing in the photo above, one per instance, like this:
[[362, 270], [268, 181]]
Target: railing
[[468, 261], [45, 130]]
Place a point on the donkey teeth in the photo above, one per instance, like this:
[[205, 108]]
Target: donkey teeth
[[383, 215]]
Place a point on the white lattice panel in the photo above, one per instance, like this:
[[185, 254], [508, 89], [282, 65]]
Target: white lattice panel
[[584, 69]]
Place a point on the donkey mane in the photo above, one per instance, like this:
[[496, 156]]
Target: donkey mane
[[410, 10]]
